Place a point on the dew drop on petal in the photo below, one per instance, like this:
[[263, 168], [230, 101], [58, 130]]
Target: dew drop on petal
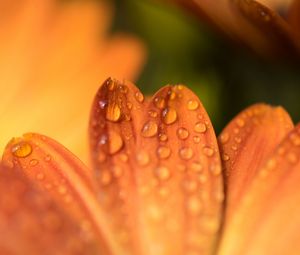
[[159, 102], [169, 116], [196, 139], [163, 137], [240, 122], [105, 177], [162, 173], [143, 158], [33, 162], [208, 151], [200, 127], [153, 114], [225, 157], [115, 142], [139, 97], [224, 138], [190, 186], [163, 152], [196, 166], [21, 150], [182, 133], [186, 153], [150, 129], [113, 112], [192, 105], [194, 206]]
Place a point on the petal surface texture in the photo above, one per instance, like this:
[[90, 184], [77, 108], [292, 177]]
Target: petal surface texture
[[48, 202], [52, 57], [158, 168], [266, 219]]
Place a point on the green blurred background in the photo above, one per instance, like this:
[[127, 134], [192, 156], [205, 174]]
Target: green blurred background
[[225, 77]]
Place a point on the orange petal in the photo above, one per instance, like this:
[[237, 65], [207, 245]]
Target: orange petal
[[267, 221], [60, 188], [294, 17], [158, 169], [246, 143]]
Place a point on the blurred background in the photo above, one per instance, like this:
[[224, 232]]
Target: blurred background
[[227, 78]]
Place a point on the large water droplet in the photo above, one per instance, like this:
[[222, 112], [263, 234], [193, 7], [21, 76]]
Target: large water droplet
[[150, 129], [21, 150], [182, 133], [115, 142], [139, 97], [186, 153], [169, 116], [113, 112], [200, 127], [192, 105], [163, 152]]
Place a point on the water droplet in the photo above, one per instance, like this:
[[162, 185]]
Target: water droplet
[[124, 157], [164, 192], [139, 97], [105, 177], [102, 104], [162, 173], [292, 158], [101, 157], [155, 213], [208, 151], [224, 138], [234, 147], [172, 94], [113, 112], [192, 105], [182, 133], [153, 114], [194, 206], [216, 169], [150, 129], [240, 122], [295, 139], [163, 137], [129, 105], [48, 158], [159, 102], [163, 152], [186, 153], [33, 162], [238, 139], [200, 127], [225, 157], [115, 142], [142, 158], [117, 171], [123, 89], [196, 139], [169, 116], [196, 166], [21, 150]]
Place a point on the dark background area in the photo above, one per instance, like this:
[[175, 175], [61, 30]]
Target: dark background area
[[226, 77]]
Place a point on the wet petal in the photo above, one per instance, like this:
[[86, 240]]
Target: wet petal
[[55, 185], [158, 169], [267, 221], [294, 17], [246, 143]]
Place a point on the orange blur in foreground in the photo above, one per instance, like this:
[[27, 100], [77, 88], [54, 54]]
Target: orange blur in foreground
[[52, 58], [158, 184]]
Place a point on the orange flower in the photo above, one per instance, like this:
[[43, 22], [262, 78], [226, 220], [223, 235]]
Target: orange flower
[[156, 186], [267, 26], [52, 56]]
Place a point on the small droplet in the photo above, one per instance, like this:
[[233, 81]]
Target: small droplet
[[194, 206], [101, 157], [124, 157], [238, 139], [200, 127], [129, 105], [216, 170], [186, 153], [163, 152], [123, 89], [196, 166], [224, 138], [40, 176], [33, 162], [62, 190], [117, 171], [150, 129], [143, 158], [162, 173], [192, 105], [105, 178], [190, 186], [292, 158], [163, 137], [115, 142], [153, 114], [234, 147], [295, 139], [196, 139], [240, 122], [169, 116], [113, 112], [159, 102], [102, 104], [21, 150], [164, 192], [172, 95], [208, 151], [182, 133], [139, 97], [225, 157], [48, 158]]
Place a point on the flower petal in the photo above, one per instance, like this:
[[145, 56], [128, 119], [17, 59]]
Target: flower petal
[[246, 143], [51, 178], [267, 221], [294, 16], [158, 169]]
